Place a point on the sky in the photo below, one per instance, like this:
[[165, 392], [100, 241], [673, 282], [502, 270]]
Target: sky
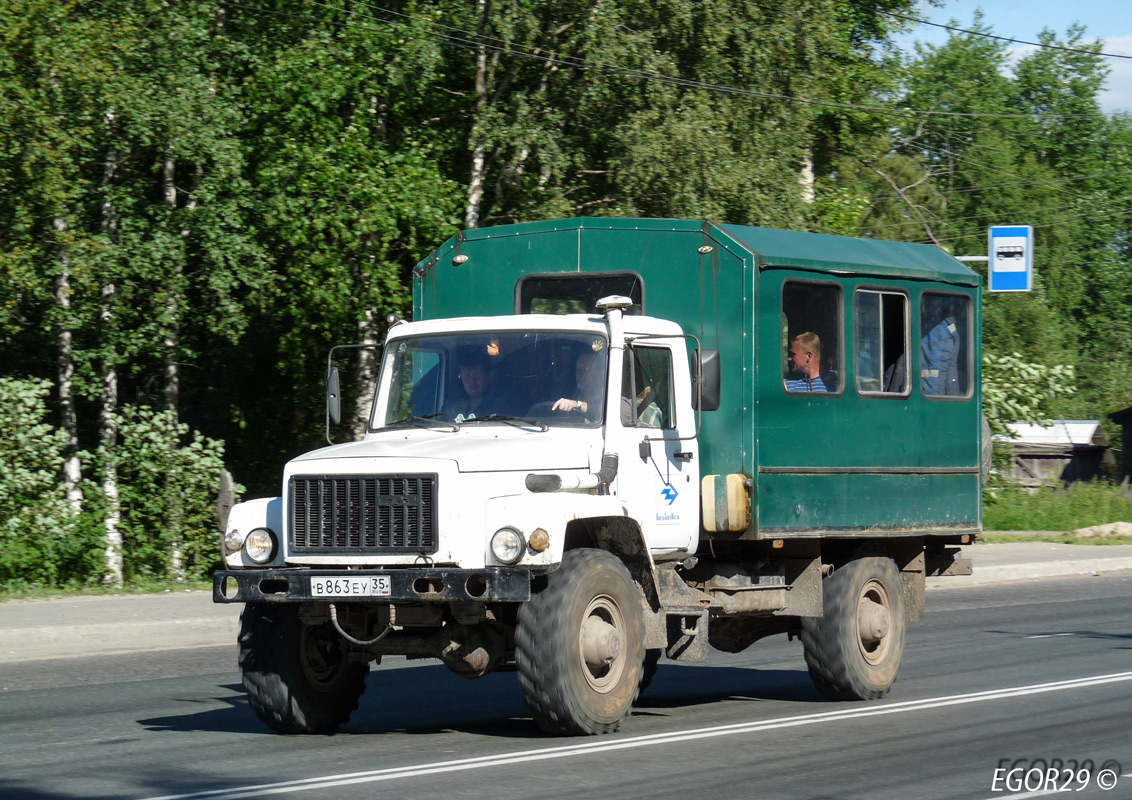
[[1110, 20]]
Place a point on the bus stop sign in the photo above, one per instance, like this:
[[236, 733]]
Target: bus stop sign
[[1010, 256]]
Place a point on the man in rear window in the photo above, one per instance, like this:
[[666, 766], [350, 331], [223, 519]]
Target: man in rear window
[[805, 365]]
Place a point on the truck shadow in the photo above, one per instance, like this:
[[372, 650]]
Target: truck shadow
[[676, 686], [431, 699]]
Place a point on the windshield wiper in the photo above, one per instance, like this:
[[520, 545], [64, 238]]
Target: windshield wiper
[[518, 422], [427, 421], [430, 421]]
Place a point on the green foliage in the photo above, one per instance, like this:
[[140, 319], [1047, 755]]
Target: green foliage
[[42, 540], [1015, 390], [1077, 505], [229, 190], [168, 480]]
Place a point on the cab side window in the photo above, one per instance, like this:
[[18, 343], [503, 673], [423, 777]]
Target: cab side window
[[880, 342], [811, 340], [945, 345], [646, 388]]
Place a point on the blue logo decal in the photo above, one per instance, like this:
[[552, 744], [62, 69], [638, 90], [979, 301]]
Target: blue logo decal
[[669, 494]]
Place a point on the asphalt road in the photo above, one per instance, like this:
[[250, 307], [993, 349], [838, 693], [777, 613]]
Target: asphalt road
[[1022, 676]]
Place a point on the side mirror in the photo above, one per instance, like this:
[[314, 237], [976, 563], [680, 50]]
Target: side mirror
[[705, 380], [333, 397]]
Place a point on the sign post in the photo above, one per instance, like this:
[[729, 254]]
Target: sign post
[[1010, 255]]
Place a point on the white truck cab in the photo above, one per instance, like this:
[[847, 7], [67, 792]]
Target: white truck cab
[[496, 445], [433, 482]]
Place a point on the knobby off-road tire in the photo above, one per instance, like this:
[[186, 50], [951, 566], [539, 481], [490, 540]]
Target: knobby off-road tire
[[854, 649], [579, 645], [299, 678]]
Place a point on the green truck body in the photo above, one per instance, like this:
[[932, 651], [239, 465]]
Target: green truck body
[[852, 462]]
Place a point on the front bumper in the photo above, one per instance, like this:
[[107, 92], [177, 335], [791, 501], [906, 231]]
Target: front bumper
[[491, 585]]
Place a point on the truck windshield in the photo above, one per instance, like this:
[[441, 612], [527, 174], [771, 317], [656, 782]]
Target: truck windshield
[[540, 377]]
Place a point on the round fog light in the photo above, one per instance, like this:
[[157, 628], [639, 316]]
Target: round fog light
[[260, 545], [233, 541], [540, 540], [507, 546]]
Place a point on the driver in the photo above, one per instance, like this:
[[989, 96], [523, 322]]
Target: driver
[[586, 399]]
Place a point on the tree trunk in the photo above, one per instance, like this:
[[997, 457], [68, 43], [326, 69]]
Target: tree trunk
[[172, 304], [72, 469], [108, 436], [365, 377], [479, 139], [172, 344], [806, 177], [108, 400]]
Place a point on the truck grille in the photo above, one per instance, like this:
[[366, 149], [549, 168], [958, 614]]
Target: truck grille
[[363, 514]]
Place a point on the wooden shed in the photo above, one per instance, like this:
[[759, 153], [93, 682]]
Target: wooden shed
[[1063, 450]]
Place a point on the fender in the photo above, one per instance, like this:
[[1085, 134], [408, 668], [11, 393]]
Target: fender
[[554, 512], [263, 512], [574, 520]]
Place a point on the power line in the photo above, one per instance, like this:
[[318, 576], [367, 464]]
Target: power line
[[1051, 182], [507, 47], [970, 158], [476, 41], [1061, 220], [1003, 38]]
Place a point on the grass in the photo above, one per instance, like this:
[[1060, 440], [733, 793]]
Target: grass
[[1057, 538], [1057, 510], [20, 590]]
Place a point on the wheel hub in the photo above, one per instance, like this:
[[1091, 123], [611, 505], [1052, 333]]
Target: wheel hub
[[601, 642], [874, 622]]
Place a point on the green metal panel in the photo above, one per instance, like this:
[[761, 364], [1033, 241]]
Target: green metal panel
[[867, 503], [842, 254]]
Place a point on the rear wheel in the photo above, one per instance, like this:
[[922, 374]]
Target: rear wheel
[[854, 649], [579, 645], [300, 678]]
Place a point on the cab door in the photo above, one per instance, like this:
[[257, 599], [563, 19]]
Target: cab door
[[658, 476]]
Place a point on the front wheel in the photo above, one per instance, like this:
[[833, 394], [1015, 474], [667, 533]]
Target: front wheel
[[299, 678], [579, 645], [854, 649]]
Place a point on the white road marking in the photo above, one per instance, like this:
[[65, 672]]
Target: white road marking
[[608, 745], [1047, 636]]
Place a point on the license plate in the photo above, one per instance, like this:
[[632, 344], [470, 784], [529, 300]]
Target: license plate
[[362, 586]]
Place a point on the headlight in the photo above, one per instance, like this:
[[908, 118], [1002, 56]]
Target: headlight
[[507, 546], [260, 545], [233, 541]]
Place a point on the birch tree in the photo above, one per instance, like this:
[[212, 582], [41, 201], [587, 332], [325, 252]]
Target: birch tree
[[349, 172]]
